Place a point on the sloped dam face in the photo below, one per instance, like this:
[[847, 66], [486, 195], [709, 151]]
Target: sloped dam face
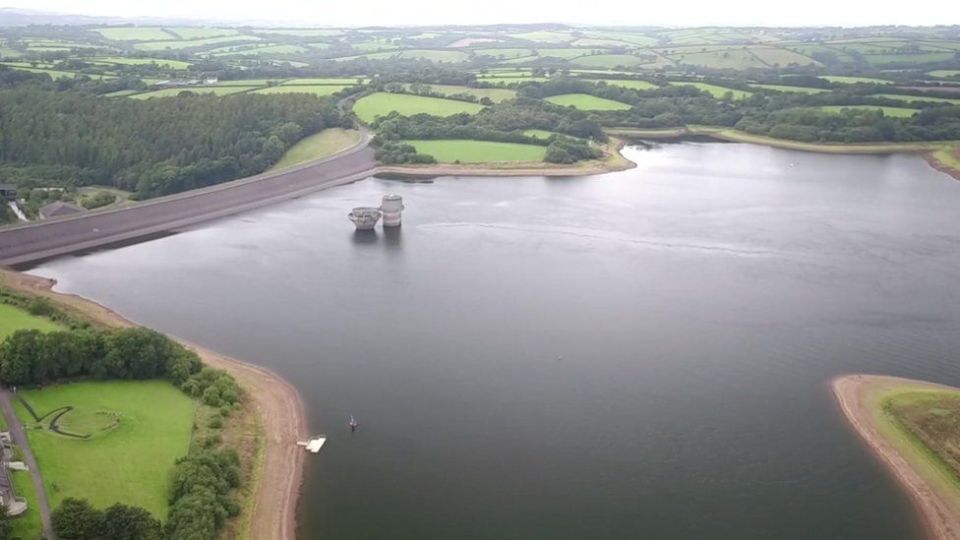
[[636, 355]]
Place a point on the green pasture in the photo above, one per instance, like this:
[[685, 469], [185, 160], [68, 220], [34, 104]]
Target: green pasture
[[469, 151], [162, 62], [787, 88], [317, 146], [587, 102], [382, 103], [198, 32], [128, 463], [13, 319], [944, 73], [854, 80], [173, 92], [134, 33], [342, 81], [919, 99], [894, 112], [719, 92], [186, 44], [317, 89], [633, 85]]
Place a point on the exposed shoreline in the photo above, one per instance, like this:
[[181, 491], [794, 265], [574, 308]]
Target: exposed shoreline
[[859, 398], [278, 471], [929, 149]]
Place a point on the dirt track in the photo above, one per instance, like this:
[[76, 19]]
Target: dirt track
[[940, 517], [279, 404]]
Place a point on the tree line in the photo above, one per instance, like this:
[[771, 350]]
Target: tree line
[[152, 147]]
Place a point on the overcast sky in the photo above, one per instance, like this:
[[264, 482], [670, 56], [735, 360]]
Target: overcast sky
[[619, 12]]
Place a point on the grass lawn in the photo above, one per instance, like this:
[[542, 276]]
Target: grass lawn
[[716, 91], [918, 99], [468, 151], [134, 33], [129, 463], [943, 73], [495, 94], [163, 62], [319, 145], [785, 88], [173, 92], [854, 80], [26, 525], [633, 85], [13, 319], [317, 89], [587, 102], [382, 103], [895, 112]]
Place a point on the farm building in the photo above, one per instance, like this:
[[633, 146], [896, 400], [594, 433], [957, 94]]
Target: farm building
[[59, 209], [8, 192]]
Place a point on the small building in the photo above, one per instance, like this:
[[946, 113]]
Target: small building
[[8, 192], [210, 81], [59, 209]]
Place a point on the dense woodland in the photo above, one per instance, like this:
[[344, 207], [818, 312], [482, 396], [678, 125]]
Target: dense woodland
[[152, 147]]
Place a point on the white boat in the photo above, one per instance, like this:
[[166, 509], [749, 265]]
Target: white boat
[[313, 445]]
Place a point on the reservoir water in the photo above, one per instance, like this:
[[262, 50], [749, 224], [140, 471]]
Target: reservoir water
[[642, 354]]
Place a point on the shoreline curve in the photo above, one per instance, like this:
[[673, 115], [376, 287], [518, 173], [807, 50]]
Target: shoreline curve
[[277, 475], [858, 397]]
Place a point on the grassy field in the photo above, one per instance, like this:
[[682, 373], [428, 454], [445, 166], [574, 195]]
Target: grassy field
[[943, 73], [382, 103], [786, 88], [539, 133], [634, 85], [316, 146], [895, 112], [317, 89], [162, 62], [854, 80], [197, 32], [173, 92], [343, 81], [587, 102], [134, 33], [613, 60], [129, 463], [495, 94], [13, 319], [467, 151], [27, 525], [918, 99], [718, 92], [189, 43]]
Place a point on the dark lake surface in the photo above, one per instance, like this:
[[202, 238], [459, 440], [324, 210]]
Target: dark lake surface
[[635, 355]]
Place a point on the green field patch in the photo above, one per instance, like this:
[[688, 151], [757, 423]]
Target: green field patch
[[540, 133], [921, 58], [317, 89], [134, 33], [300, 32], [623, 83], [27, 525], [543, 36], [383, 103], [435, 55], [317, 146], [494, 94], [57, 74], [186, 44], [513, 80], [259, 49], [13, 319], [174, 92], [199, 32], [162, 62], [120, 93], [587, 102], [918, 99], [130, 464], [853, 80], [719, 59], [719, 92], [342, 81], [944, 73], [615, 60], [894, 112], [786, 88], [469, 151], [566, 54], [504, 54]]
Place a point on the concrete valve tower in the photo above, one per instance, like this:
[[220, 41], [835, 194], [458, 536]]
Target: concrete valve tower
[[391, 207]]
